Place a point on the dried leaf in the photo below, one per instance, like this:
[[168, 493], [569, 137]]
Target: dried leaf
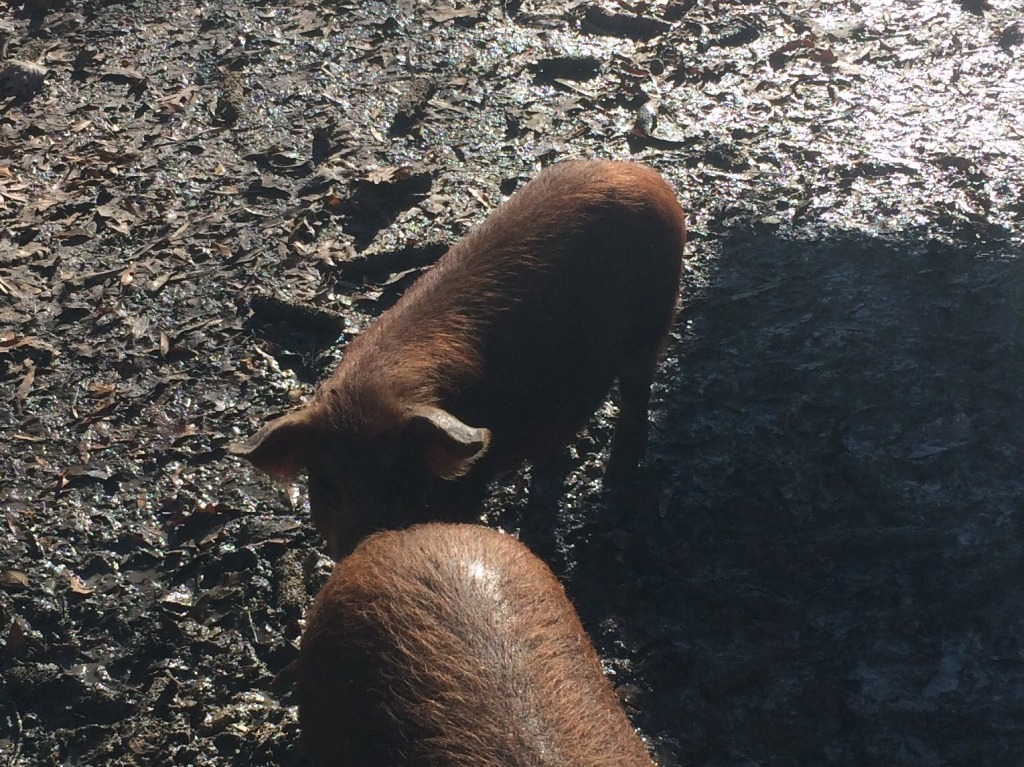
[[177, 101], [77, 586], [21, 79], [26, 382], [14, 579], [442, 13]]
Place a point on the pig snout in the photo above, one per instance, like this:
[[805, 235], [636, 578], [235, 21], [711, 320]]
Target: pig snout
[[454, 645]]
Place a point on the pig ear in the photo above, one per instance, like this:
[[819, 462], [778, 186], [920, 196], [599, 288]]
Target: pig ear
[[449, 446], [279, 448]]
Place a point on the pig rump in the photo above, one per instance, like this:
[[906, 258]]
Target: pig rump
[[453, 645]]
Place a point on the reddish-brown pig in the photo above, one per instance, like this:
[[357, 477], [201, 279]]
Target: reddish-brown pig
[[498, 354], [453, 646]]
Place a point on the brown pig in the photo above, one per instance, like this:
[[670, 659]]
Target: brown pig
[[497, 355], [453, 646]]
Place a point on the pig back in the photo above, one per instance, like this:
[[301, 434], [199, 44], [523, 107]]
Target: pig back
[[453, 645], [524, 324]]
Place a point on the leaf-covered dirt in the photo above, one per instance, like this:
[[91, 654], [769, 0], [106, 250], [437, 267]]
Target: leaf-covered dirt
[[821, 560]]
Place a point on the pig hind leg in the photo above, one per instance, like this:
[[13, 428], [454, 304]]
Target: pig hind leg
[[630, 441]]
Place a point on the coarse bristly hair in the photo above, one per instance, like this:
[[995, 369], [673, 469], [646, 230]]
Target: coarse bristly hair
[[453, 645], [530, 250], [577, 272], [514, 338]]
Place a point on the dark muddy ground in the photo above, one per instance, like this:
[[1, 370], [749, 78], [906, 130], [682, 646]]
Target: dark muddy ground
[[821, 562]]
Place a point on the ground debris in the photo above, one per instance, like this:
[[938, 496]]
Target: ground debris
[[833, 487], [21, 79]]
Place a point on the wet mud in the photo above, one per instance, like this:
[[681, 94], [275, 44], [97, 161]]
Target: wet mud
[[819, 562]]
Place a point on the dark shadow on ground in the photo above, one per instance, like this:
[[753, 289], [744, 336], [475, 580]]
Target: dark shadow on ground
[[822, 561]]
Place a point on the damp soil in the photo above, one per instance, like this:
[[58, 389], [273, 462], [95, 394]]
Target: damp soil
[[820, 561]]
